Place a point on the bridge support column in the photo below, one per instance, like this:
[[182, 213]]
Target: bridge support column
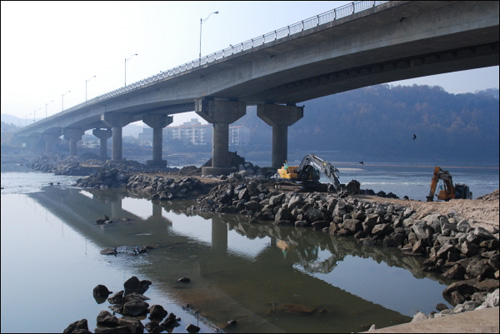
[[103, 135], [220, 114], [116, 121], [280, 117], [73, 135], [157, 122], [33, 142], [49, 139]]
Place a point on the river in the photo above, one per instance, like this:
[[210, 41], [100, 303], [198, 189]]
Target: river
[[265, 277]]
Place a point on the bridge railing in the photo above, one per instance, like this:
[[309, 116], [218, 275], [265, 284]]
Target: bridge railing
[[326, 17]]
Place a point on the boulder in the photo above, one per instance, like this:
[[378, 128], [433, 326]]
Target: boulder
[[79, 326], [133, 284], [101, 293], [106, 319], [157, 312], [135, 308]]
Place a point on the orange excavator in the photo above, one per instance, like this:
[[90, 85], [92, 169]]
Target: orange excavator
[[450, 191]]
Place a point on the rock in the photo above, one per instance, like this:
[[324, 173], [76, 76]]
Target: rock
[[134, 326], [134, 285], [79, 326], [184, 280], [109, 251], [118, 329], [483, 233], [106, 319], [441, 306], [117, 298], [135, 308], [456, 272], [353, 225], [170, 321], [192, 328], [100, 293], [157, 312]]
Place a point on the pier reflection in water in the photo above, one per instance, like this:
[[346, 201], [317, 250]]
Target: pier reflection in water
[[267, 278]]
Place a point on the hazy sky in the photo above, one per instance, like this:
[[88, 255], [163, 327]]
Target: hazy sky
[[50, 48]]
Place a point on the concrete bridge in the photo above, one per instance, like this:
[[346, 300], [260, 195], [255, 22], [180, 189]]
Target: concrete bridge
[[357, 45]]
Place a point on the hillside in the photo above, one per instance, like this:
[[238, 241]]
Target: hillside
[[378, 123]]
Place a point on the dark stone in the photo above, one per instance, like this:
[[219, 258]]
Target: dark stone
[[157, 312], [456, 272], [106, 319], [170, 321], [192, 328], [100, 293], [133, 325], [80, 325], [184, 280], [441, 306], [116, 298], [352, 225], [134, 285], [107, 330], [135, 308]]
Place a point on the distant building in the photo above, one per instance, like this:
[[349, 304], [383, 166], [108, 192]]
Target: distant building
[[239, 135], [196, 134]]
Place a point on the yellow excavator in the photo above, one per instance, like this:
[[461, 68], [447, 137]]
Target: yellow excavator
[[450, 191], [308, 172]]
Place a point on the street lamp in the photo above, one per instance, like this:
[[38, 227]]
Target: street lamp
[[34, 113], [126, 60], [87, 80], [46, 107], [62, 99], [201, 25]]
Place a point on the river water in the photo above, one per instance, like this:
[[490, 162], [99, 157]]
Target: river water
[[265, 277]]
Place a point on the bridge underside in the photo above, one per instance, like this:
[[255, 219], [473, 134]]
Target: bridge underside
[[394, 41]]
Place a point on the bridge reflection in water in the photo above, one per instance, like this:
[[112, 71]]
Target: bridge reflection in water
[[263, 276]]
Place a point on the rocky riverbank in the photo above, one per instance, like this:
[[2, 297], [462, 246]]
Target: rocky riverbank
[[458, 244]]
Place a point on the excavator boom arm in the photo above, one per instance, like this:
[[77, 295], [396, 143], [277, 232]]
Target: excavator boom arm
[[323, 166]]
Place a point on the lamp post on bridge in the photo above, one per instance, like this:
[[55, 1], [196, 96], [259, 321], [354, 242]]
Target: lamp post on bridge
[[46, 104], [126, 60], [62, 99], [201, 26], [34, 114], [87, 80]]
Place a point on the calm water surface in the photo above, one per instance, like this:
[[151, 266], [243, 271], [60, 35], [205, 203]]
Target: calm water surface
[[256, 274]]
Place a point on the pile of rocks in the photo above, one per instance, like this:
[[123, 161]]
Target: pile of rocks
[[451, 246], [104, 178], [161, 188], [131, 304]]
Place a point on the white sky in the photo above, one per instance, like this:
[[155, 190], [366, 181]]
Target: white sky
[[50, 48]]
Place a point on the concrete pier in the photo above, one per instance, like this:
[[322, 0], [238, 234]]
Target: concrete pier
[[103, 135], [220, 114], [116, 121], [280, 117], [73, 135], [157, 122], [49, 139]]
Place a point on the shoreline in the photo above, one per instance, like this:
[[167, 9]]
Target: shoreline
[[148, 183]]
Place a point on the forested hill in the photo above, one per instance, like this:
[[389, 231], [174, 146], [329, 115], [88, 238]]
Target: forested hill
[[378, 123]]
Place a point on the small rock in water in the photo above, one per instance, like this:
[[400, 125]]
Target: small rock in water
[[109, 251], [192, 328], [184, 280]]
